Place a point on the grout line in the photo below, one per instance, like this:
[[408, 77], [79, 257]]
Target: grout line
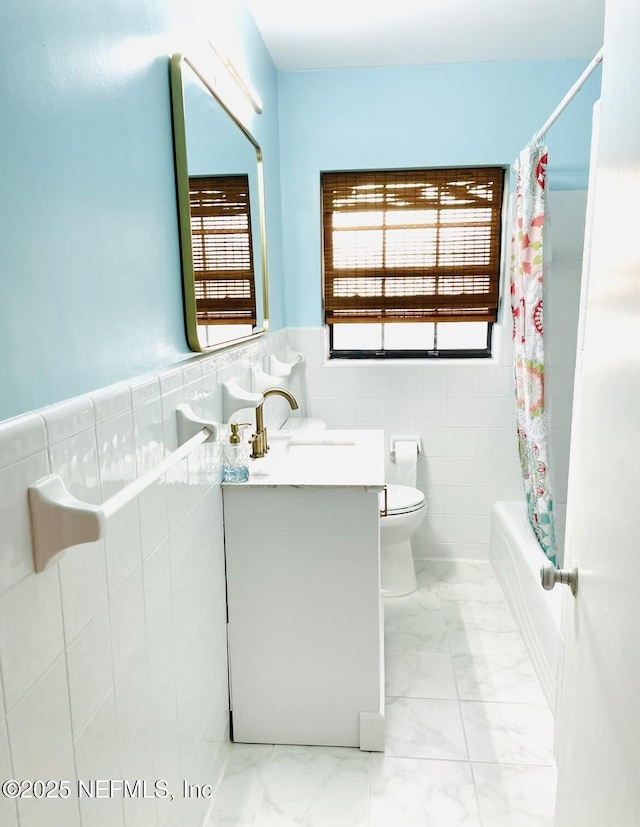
[[475, 793]]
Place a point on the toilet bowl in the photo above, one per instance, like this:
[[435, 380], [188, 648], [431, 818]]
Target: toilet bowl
[[405, 510]]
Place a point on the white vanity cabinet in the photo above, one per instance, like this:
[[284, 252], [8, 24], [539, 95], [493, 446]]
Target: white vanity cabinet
[[303, 582]]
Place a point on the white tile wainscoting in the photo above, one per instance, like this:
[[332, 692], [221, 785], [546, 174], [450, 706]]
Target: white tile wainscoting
[[113, 662]]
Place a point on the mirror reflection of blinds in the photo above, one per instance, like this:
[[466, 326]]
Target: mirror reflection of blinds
[[222, 251], [412, 245]]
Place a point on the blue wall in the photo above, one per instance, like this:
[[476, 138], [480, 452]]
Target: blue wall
[[90, 289], [90, 285], [467, 114]]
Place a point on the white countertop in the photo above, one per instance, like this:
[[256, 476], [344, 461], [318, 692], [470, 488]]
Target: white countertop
[[329, 458]]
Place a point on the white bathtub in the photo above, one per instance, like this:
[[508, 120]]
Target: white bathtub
[[516, 558]]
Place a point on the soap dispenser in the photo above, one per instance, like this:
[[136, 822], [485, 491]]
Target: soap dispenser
[[235, 457]]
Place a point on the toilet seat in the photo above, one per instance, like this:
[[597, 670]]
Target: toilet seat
[[402, 499]]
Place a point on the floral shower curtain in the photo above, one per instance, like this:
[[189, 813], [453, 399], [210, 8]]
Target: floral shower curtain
[[526, 305]]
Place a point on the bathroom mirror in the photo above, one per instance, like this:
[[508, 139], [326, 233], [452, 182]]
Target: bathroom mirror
[[220, 191]]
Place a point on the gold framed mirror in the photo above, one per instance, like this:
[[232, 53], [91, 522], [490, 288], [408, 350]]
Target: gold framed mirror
[[221, 213]]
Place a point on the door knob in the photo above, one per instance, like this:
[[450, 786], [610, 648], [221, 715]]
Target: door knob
[[550, 575]]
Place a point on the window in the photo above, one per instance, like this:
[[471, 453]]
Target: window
[[412, 261], [222, 255]]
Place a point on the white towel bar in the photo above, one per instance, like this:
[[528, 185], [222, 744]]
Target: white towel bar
[[59, 520]]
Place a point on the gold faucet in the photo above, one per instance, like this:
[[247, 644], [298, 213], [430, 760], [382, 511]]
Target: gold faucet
[[259, 444]]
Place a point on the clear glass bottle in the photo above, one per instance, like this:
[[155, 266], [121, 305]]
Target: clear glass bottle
[[235, 457]]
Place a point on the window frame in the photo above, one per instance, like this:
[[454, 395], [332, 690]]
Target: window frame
[[438, 353], [498, 251]]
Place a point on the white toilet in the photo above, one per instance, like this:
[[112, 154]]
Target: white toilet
[[406, 508]]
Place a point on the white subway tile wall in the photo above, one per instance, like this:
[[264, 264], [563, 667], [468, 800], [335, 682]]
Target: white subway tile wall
[[464, 414], [113, 661]]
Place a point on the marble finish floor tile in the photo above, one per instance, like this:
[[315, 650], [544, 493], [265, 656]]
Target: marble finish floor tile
[[416, 793], [482, 628], [502, 678], [508, 733], [475, 614], [488, 592], [423, 599], [470, 640], [462, 581], [424, 572], [462, 571], [511, 796], [315, 787], [419, 675], [415, 631], [419, 728], [242, 789]]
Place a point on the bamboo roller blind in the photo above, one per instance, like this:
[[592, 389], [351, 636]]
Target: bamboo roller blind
[[412, 245], [222, 250]]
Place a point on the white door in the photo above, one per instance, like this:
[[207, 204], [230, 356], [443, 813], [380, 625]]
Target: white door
[[598, 715]]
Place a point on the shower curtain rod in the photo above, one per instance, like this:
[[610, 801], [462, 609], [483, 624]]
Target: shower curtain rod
[[577, 86]]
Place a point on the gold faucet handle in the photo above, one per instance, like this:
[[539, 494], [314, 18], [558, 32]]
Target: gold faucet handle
[[256, 445]]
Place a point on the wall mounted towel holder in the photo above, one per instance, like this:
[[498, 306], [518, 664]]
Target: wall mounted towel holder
[[262, 381], [59, 520], [236, 398], [284, 368]]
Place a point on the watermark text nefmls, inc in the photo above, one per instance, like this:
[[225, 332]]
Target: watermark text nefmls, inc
[[103, 788]]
